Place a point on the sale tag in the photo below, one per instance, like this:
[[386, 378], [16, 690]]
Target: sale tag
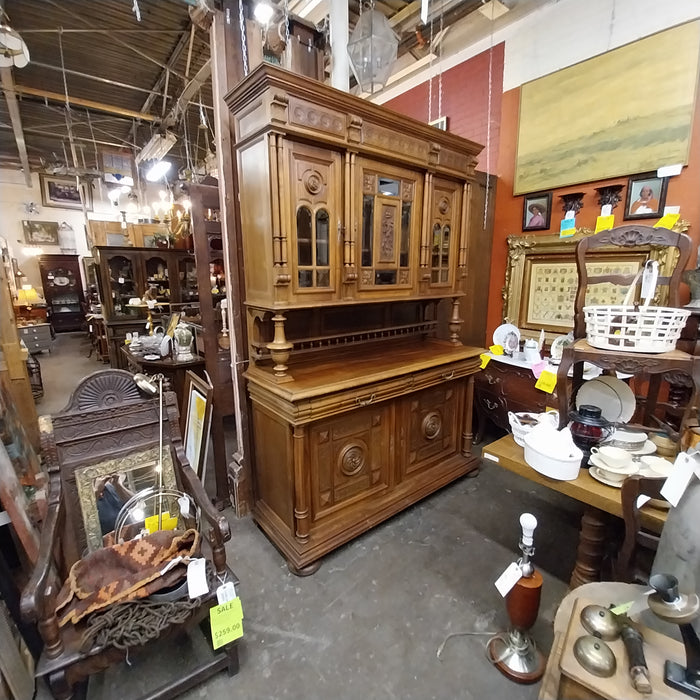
[[567, 228], [226, 622], [508, 578], [225, 592], [674, 487], [547, 381], [603, 223], [166, 522], [667, 221], [197, 578], [496, 349], [538, 367], [184, 503], [485, 359]]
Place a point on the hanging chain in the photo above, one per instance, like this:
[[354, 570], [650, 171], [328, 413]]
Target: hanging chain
[[286, 24], [488, 133], [440, 69], [244, 43], [430, 79]]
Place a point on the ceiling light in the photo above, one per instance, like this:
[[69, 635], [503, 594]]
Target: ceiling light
[[158, 170], [13, 50], [372, 49], [157, 147], [492, 9], [263, 13]]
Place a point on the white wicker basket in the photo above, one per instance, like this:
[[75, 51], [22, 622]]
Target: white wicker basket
[[628, 328]]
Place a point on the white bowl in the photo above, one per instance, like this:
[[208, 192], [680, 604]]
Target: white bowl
[[563, 466], [522, 423], [658, 466], [627, 439]]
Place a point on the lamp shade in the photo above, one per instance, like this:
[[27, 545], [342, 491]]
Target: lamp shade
[[372, 50]]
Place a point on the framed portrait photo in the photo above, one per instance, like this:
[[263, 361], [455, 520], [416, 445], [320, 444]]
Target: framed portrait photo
[[64, 192], [537, 211], [646, 196], [40, 232]]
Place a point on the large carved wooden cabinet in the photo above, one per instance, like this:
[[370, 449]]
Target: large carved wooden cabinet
[[354, 225]]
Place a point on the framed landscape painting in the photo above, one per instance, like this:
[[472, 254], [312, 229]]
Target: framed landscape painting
[[64, 192]]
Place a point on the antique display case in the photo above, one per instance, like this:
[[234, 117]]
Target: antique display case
[[127, 273], [354, 223], [63, 291]]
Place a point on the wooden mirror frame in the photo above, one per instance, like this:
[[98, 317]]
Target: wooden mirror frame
[[522, 249], [85, 479]]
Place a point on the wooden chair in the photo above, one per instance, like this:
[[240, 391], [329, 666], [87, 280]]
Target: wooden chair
[[675, 366], [628, 566], [108, 417]]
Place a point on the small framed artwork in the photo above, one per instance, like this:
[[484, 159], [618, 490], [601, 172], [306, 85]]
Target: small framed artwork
[[646, 196], [537, 211], [195, 420], [440, 123], [40, 232], [64, 192]]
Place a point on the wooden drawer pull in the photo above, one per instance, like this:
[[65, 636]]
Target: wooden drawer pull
[[448, 375], [364, 402]]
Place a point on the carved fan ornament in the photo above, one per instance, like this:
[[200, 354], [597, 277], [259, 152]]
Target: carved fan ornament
[[106, 389]]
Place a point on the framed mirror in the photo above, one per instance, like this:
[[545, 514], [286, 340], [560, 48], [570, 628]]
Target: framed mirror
[[103, 488], [541, 280]]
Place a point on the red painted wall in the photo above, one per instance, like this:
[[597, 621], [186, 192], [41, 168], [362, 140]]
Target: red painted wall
[[683, 190], [465, 102]]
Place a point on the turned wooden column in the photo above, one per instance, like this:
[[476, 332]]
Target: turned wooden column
[[301, 487], [467, 427], [591, 547], [280, 348]]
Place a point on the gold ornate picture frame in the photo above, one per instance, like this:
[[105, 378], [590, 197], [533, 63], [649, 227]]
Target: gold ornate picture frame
[[134, 467], [541, 279]]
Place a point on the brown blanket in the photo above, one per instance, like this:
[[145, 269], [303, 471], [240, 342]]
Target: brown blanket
[[124, 572]]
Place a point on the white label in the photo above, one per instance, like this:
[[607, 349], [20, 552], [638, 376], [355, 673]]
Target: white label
[[508, 578], [651, 274], [606, 210], [641, 500], [493, 458], [677, 482], [672, 210], [184, 503], [197, 578], [225, 593], [668, 170], [121, 280]]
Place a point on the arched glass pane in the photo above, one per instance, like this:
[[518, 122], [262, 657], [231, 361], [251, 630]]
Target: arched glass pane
[[304, 249], [322, 237], [445, 245]]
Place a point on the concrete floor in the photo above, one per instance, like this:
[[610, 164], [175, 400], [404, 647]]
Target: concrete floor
[[369, 623]]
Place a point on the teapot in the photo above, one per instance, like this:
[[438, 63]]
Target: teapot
[[531, 351], [589, 429]]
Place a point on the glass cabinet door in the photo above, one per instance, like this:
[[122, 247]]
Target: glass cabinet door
[[158, 278], [445, 212], [187, 274], [122, 285], [387, 230]]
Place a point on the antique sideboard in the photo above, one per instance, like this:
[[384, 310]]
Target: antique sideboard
[[355, 228]]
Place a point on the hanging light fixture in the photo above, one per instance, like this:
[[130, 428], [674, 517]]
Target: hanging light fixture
[[372, 50]]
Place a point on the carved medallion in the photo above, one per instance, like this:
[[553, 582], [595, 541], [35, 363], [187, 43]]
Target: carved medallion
[[313, 182], [352, 459], [432, 425], [444, 205], [369, 183]]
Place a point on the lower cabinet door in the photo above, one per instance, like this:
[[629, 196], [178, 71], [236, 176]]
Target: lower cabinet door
[[350, 458], [429, 427]]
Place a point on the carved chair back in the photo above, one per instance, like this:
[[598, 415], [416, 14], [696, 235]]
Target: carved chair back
[[627, 237], [107, 417]]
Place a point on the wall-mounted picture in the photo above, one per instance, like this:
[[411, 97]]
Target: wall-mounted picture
[[40, 232], [64, 192], [440, 123], [537, 211], [646, 196]]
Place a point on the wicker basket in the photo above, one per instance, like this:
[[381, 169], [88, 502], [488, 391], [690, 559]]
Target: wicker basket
[[629, 328]]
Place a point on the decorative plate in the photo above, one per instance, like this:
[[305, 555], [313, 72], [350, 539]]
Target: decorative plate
[[61, 281], [595, 473], [557, 347], [614, 398], [508, 337], [151, 357]]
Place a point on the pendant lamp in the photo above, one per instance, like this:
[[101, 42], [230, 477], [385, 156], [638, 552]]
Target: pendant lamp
[[372, 50]]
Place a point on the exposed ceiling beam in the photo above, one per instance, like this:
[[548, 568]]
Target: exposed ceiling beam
[[8, 87], [80, 102], [126, 44], [61, 137], [64, 30]]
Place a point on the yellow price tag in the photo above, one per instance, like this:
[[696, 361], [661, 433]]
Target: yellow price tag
[[547, 381], [226, 622], [667, 221], [166, 522], [496, 349], [603, 223], [622, 609], [485, 359]]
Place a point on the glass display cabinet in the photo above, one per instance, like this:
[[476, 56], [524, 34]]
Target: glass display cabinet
[[63, 291]]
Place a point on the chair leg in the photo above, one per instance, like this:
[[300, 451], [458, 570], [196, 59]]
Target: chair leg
[[59, 686], [232, 654]]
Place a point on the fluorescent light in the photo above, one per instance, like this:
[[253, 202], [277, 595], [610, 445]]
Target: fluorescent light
[[158, 170], [157, 147], [263, 13]]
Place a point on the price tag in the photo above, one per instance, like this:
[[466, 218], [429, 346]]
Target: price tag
[[508, 578], [485, 359], [225, 592], [547, 381], [226, 622], [496, 349], [667, 221], [120, 280], [674, 487], [166, 522], [184, 503], [567, 228], [538, 368], [603, 223], [197, 578]]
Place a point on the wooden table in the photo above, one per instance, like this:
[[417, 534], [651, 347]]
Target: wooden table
[[599, 501]]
